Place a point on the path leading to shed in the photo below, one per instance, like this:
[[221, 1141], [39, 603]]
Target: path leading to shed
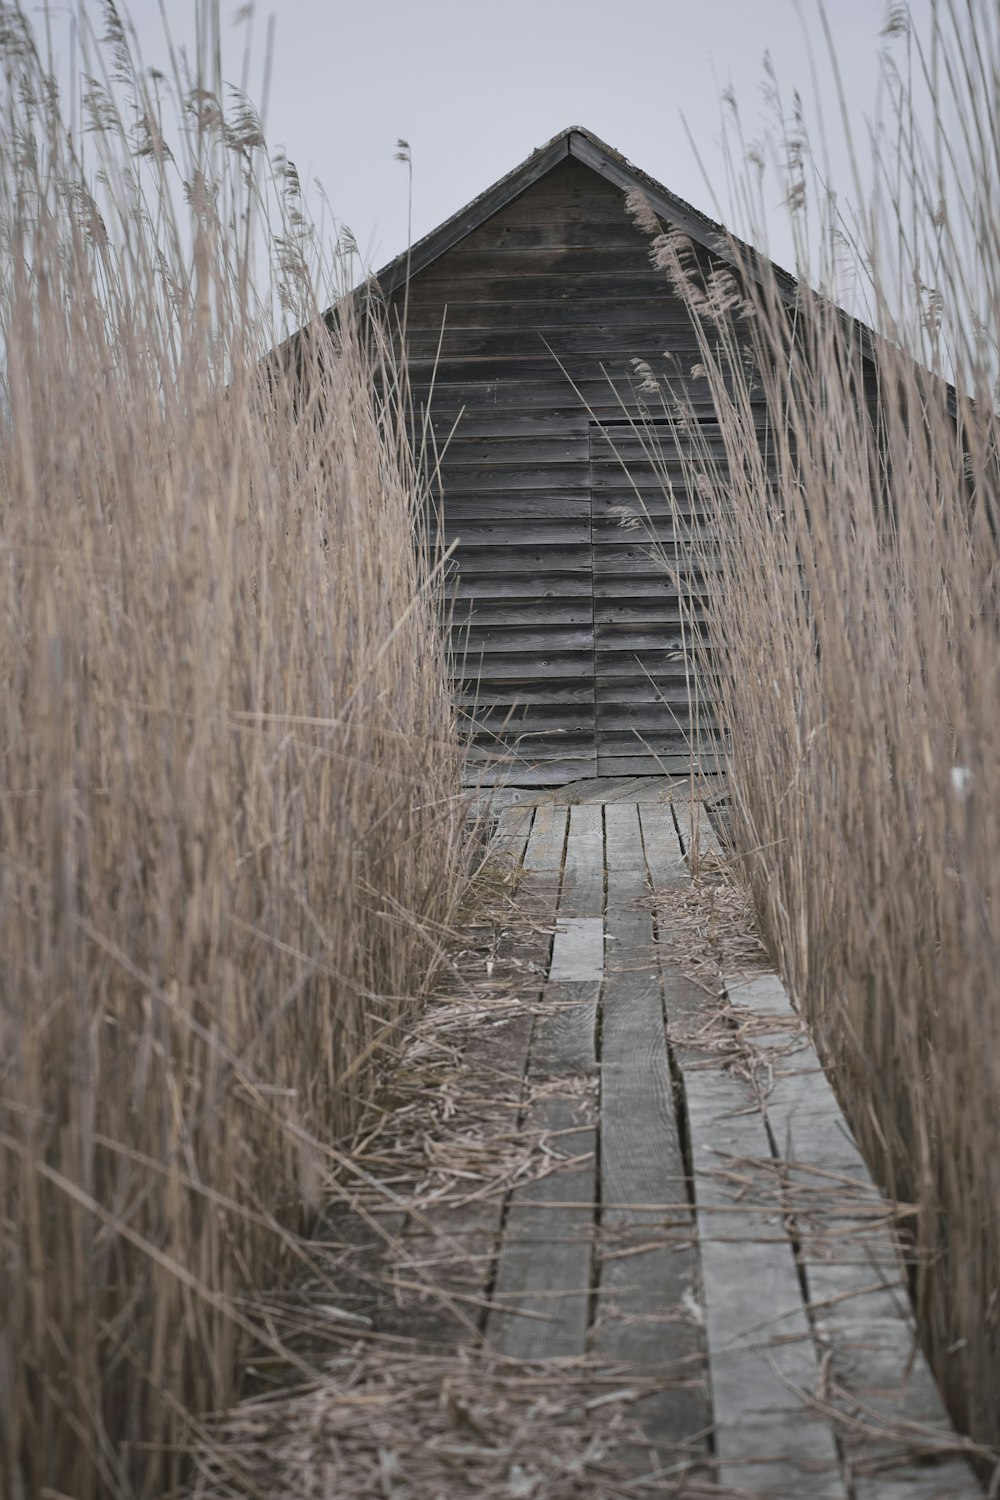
[[612, 1235]]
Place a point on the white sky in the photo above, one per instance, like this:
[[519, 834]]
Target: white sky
[[475, 85]]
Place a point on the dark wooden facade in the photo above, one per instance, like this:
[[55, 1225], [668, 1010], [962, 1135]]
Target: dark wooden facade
[[525, 317]]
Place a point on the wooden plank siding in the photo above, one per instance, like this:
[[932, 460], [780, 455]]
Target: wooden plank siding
[[521, 339]]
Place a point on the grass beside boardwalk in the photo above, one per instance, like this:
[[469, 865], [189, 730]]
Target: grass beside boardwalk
[[229, 834], [852, 591]]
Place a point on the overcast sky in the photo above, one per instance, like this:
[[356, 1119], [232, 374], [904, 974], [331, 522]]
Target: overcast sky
[[476, 85]]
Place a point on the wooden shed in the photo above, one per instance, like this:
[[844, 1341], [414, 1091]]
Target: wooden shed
[[526, 314]]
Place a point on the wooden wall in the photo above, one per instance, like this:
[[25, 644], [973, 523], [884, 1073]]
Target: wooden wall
[[574, 658]]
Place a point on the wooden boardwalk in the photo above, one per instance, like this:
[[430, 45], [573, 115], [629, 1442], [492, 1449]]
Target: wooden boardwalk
[[642, 1192], [720, 1202]]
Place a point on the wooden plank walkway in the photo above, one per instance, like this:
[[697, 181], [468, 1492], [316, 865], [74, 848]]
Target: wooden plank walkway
[[660, 1202], [735, 1229]]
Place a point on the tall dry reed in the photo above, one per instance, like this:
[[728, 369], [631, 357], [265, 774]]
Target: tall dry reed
[[229, 832], [851, 596]]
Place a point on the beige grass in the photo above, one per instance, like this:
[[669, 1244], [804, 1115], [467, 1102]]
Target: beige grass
[[852, 597], [229, 828]]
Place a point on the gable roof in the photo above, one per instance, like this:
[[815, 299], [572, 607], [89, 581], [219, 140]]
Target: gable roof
[[575, 144], [578, 144]]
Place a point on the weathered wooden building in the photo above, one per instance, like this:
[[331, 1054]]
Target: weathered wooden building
[[526, 315]]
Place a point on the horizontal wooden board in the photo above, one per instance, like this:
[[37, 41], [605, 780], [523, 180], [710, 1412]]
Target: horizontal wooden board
[[560, 234], [550, 260], [531, 719], [581, 203], [516, 771], [513, 505], [516, 691], [514, 561], [538, 531], [527, 305], [537, 389], [536, 665], [613, 666], [519, 450], [688, 592], [654, 607], [458, 345], [487, 479], [490, 298], [616, 691], [532, 641], [556, 425], [675, 764], [538, 584], [662, 636], [483, 612], [643, 718]]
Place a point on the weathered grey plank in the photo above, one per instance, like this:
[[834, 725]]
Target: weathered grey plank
[[664, 763], [513, 828], [541, 1297], [563, 1041], [443, 1265], [553, 772], [542, 1293], [577, 950], [664, 858], [583, 873], [648, 1269], [484, 610], [622, 839], [548, 835], [697, 834], [855, 1278], [514, 302], [763, 1366]]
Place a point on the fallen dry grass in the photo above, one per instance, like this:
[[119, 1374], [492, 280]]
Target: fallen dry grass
[[409, 1401], [406, 1424]]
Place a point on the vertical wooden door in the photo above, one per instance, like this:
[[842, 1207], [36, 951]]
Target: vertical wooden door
[[651, 711], [517, 502]]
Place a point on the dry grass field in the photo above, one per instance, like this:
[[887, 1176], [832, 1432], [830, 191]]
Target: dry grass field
[[229, 832], [852, 593]]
